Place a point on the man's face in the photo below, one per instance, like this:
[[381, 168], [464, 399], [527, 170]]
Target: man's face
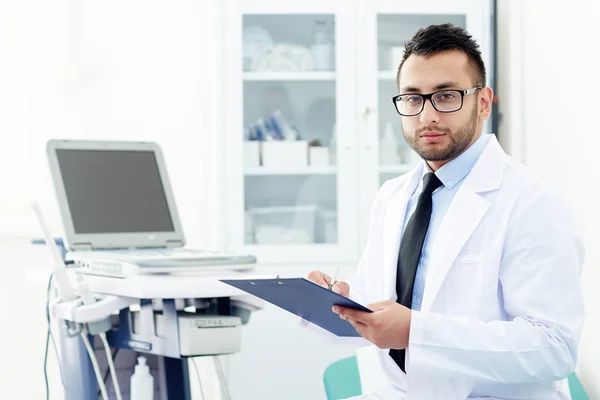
[[437, 136]]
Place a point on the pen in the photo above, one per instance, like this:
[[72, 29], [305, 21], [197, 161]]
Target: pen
[[333, 278]]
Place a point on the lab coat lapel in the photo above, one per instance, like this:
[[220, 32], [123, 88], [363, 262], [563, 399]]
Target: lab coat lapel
[[391, 231], [463, 217]]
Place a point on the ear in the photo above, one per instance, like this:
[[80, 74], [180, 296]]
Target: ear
[[486, 96]]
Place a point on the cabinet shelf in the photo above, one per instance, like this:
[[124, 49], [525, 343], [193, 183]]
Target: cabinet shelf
[[310, 170], [396, 169], [269, 76]]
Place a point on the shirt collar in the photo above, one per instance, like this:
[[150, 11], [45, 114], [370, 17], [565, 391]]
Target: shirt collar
[[455, 170]]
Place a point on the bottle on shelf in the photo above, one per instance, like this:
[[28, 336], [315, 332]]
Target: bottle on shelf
[[322, 48]]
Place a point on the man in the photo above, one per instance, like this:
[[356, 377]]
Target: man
[[472, 267]]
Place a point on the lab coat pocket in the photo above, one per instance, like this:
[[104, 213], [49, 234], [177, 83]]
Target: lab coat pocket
[[465, 283], [470, 258]]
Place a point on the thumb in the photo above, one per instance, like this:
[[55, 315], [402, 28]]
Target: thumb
[[342, 288], [381, 305]]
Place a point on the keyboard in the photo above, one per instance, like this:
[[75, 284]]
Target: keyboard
[[171, 254]]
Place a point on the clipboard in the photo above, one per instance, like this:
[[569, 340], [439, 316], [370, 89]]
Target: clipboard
[[303, 298]]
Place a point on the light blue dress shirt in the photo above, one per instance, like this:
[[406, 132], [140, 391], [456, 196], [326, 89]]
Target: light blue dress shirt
[[452, 176]]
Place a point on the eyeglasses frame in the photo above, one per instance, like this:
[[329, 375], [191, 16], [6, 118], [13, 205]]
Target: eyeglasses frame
[[425, 97]]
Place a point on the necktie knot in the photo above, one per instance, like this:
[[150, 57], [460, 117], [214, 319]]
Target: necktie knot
[[430, 183]]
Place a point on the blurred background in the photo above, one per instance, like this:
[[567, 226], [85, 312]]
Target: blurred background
[[277, 128]]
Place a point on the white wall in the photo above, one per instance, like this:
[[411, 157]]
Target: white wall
[[551, 122], [16, 105]]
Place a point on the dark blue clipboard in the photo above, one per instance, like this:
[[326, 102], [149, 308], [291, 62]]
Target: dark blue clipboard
[[304, 299]]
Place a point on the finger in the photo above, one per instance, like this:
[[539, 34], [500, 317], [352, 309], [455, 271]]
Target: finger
[[342, 288], [361, 328], [380, 305], [356, 324], [351, 313], [319, 278]]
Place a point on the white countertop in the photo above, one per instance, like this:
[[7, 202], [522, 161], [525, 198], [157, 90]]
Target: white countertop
[[173, 286]]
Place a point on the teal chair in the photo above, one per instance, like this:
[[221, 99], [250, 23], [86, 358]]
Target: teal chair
[[342, 380], [577, 391]]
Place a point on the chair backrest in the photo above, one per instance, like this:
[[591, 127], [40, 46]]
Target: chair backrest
[[342, 380], [577, 391]]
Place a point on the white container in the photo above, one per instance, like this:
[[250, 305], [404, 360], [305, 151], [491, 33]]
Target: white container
[[330, 226], [322, 56], [395, 55], [285, 154], [142, 382], [284, 225], [251, 154], [318, 156], [388, 147]]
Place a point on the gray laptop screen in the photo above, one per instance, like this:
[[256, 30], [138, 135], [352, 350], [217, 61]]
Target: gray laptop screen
[[114, 191]]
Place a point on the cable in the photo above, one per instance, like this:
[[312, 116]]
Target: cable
[[114, 356], [47, 337], [45, 364], [97, 327], [111, 365], [107, 373], [90, 350], [62, 378], [222, 380], [198, 375], [50, 336], [105, 379]]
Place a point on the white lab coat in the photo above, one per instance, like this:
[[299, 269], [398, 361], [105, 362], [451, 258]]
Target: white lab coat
[[502, 309]]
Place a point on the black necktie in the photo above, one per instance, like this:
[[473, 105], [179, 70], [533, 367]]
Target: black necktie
[[410, 251]]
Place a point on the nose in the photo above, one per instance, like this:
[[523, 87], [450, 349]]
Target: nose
[[429, 115]]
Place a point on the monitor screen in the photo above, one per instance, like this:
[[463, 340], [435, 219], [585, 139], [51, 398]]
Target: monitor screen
[[114, 191]]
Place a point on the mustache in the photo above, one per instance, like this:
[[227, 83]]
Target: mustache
[[432, 129]]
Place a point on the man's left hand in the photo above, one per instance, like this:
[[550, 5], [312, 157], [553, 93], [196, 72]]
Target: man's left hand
[[387, 327]]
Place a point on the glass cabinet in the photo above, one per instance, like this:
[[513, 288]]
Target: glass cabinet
[[309, 129]]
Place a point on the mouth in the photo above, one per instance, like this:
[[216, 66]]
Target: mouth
[[432, 136]]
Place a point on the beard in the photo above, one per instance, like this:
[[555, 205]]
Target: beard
[[459, 140]]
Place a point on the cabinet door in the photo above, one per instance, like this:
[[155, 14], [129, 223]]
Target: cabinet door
[[289, 141], [384, 27]]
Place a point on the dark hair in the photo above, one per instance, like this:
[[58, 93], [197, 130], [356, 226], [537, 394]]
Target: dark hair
[[446, 37]]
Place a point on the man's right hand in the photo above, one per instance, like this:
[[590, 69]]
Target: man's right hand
[[323, 279]]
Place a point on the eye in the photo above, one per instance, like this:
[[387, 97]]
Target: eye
[[447, 96], [413, 99]]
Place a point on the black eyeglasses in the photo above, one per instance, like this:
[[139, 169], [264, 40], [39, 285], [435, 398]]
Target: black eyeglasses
[[444, 101]]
